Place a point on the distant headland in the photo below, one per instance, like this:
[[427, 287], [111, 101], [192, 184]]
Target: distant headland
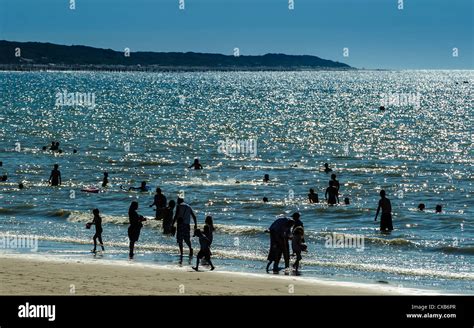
[[27, 56]]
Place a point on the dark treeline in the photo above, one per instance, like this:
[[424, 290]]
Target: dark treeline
[[37, 56]]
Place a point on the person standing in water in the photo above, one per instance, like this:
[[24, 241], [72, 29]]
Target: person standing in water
[[331, 194], [386, 217], [209, 222], [105, 181], [55, 177], [280, 233], [183, 214], [298, 245], [205, 251], [97, 221], [135, 226], [266, 178], [336, 182], [312, 196], [196, 164], [160, 202], [168, 218]]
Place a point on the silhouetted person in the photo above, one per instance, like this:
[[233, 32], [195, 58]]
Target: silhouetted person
[[382, 108], [97, 221], [143, 187], [183, 231], [160, 202], [336, 182], [196, 165], [55, 177], [280, 232], [168, 218], [135, 226], [4, 178], [205, 251], [105, 180], [386, 217], [331, 194], [327, 169], [298, 245], [44, 148], [421, 207], [265, 199], [210, 223], [297, 221], [266, 178], [1, 163], [53, 146], [439, 208], [347, 201], [21, 186], [312, 196], [74, 151]]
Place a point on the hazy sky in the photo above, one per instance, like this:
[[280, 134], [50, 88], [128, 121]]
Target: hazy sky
[[376, 32]]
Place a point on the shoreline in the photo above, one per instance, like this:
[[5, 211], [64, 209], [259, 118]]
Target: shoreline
[[47, 275]]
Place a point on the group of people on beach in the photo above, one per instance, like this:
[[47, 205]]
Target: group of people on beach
[[176, 220], [181, 218]]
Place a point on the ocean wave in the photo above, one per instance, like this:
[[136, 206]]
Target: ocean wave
[[83, 217], [15, 209], [469, 250], [59, 213], [249, 230]]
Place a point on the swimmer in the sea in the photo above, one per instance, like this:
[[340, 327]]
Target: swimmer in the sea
[[439, 208], [143, 187], [196, 165], [265, 199], [421, 207], [266, 178], [55, 177], [327, 169], [105, 181], [312, 196], [53, 146]]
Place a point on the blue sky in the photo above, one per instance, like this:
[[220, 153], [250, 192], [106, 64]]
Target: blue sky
[[376, 32]]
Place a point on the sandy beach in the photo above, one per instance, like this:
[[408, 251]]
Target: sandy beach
[[34, 275]]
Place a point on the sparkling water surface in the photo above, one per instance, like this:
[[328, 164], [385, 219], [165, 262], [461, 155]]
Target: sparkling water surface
[[418, 154]]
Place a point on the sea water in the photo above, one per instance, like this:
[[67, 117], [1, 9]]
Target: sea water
[[151, 126]]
